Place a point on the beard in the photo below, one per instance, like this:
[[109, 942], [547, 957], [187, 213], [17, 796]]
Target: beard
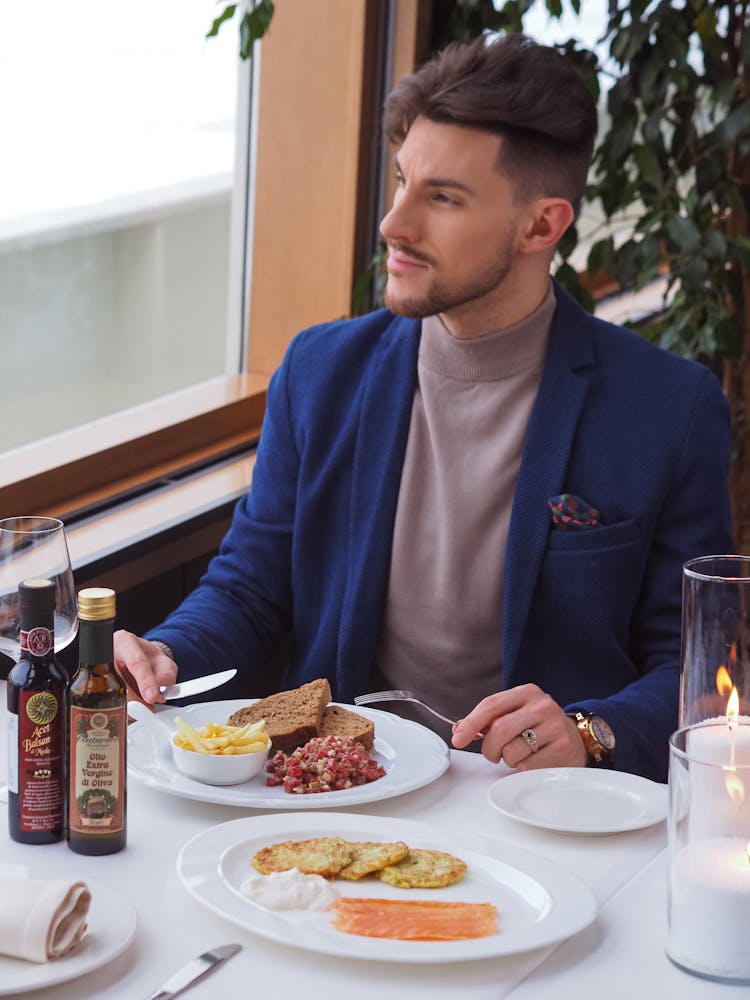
[[444, 296]]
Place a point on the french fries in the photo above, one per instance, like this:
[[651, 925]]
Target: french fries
[[223, 740]]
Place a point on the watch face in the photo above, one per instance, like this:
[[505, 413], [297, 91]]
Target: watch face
[[602, 732]]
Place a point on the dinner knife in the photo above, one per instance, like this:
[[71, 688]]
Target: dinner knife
[[194, 970], [197, 685]]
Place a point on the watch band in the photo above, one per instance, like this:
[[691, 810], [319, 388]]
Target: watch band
[[597, 737]]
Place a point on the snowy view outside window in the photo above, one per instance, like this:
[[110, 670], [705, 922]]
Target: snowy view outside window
[[115, 190]]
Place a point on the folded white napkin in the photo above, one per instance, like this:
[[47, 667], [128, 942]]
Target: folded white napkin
[[41, 919]]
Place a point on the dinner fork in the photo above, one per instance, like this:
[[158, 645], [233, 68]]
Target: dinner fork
[[400, 695]]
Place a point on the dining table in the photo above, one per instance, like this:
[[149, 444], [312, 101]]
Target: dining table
[[620, 953]]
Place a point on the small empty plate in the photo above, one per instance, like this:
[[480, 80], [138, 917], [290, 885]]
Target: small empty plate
[[580, 800]]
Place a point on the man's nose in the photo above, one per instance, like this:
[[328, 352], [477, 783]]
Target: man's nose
[[400, 225]]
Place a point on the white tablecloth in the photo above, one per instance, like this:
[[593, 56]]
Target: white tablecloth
[[173, 927]]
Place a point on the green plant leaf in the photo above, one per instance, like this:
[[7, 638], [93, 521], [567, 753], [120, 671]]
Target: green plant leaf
[[601, 256], [683, 233], [648, 165], [568, 242], [694, 275], [623, 130], [225, 15], [567, 276], [715, 245], [627, 263], [736, 122], [253, 26], [706, 23], [649, 259], [650, 69], [708, 171]]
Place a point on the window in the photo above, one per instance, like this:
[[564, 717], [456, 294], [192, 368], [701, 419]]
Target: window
[[114, 207]]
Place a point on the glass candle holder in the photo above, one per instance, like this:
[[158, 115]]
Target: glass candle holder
[[715, 662], [709, 851]]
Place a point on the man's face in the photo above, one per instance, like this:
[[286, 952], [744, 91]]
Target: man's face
[[453, 229]]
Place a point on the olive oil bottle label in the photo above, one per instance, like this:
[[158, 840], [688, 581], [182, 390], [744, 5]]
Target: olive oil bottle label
[[40, 762], [97, 769]]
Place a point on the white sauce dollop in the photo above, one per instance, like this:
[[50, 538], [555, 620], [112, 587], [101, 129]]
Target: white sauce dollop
[[289, 890]]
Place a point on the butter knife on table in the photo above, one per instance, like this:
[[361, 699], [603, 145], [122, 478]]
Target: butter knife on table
[[197, 685], [194, 970]]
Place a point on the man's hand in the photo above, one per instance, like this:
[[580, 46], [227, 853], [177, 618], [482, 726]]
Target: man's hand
[[143, 666], [504, 716]]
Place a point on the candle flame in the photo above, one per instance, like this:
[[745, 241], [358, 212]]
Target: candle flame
[[735, 787], [733, 708], [724, 680]]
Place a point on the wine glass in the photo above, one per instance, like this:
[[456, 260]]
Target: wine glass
[[35, 547]]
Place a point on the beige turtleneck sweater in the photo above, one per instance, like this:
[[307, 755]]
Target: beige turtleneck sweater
[[441, 633]]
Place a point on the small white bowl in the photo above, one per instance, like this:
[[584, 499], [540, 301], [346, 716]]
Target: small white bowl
[[217, 768]]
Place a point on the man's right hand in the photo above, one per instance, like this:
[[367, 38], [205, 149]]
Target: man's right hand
[[143, 666]]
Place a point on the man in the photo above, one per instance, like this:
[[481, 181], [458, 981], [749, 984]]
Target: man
[[481, 493]]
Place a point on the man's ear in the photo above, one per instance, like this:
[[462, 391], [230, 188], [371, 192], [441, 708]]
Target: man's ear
[[547, 220]]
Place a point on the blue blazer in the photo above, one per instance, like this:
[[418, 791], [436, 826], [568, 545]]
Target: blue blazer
[[591, 616]]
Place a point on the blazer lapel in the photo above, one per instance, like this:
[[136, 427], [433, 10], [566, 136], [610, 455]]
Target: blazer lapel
[[561, 395], [382, 431]]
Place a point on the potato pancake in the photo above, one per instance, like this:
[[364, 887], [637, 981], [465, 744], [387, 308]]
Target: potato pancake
[[422, 869], [370, 856], [324, 856]]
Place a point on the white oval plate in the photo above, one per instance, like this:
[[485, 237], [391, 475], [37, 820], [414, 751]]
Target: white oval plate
[[112, 923], [538, 903], [412, 756], [580, 800]]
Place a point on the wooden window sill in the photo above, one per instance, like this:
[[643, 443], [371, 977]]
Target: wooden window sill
[[69, 474]]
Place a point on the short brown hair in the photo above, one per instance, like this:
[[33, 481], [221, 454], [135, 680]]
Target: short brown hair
[[528, 94]]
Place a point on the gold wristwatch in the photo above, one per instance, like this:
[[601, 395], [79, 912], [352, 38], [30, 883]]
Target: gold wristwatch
[[598, 738]]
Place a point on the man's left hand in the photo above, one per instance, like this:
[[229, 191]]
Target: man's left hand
[[552, 739]]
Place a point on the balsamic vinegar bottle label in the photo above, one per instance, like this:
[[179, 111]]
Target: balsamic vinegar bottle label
[[40, 743], [97, 769]]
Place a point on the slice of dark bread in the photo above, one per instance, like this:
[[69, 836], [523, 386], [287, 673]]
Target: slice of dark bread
[[339, 721], [292, 717]]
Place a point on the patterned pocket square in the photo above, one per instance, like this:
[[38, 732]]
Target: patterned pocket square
[[571, 513]]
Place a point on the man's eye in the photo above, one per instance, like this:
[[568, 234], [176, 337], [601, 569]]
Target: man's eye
[[444, 198], [400, 179]]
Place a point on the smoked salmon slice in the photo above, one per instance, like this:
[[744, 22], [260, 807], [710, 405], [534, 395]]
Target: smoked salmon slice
[[414, 919]]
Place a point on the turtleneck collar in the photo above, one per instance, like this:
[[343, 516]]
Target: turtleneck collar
[[498, 355]]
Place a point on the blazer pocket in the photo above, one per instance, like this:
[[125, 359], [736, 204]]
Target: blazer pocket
[[601, 537], [586, 591]]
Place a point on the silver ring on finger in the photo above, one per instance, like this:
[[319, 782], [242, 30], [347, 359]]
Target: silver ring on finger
[[529, 738]]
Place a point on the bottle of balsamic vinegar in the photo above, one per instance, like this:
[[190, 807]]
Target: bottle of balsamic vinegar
[[37, 691], [97, 818]]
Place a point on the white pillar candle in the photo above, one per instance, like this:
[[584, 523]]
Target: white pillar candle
[[719, 800], [709, 908], [716, 742]]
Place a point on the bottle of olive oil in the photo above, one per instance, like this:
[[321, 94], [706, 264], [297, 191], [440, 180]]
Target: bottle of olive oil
[[37, 693], [97, 818]]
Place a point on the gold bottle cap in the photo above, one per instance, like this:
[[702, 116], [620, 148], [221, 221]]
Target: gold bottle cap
[[96, 604]]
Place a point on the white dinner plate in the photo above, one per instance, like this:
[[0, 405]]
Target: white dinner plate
[[538, 903], [111, 927], [580, 800], [412, 756]]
